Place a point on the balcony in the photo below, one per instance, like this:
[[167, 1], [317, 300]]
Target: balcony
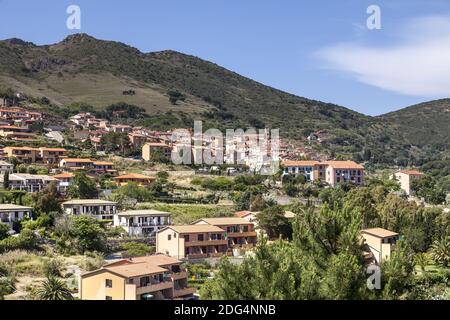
[[242, 234], [197, 256], [183, 292], [179, 275], [154, 287], [205, 243]]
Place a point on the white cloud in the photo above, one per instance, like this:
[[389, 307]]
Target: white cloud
[[417, 65]]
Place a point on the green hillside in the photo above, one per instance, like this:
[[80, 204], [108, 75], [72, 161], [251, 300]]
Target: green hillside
[[84, 69]]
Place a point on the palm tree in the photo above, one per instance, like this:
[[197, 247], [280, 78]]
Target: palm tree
[[440, 251], [53, 289]]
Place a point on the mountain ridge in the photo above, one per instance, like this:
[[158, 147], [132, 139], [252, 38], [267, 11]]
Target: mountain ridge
[[81, 68]]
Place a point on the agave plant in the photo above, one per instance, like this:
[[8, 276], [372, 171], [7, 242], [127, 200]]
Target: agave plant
[[53, 288]]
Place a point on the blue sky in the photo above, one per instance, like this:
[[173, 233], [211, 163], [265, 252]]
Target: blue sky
[[316, 49]]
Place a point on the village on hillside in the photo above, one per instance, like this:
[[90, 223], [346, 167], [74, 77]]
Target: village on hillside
[[98, 205]]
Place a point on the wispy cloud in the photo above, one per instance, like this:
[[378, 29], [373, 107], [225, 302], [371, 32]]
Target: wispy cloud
[[417, 65]]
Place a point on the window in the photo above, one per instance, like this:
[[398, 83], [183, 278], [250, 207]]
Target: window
[[200, 237], [186, 238], [174, 235], [108, 298], [169, 237], [245, 229], [108, 283]]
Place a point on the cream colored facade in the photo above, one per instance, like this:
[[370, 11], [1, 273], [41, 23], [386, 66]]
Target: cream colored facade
[[149, 148], [381, 242], [154, 277], [191, 241], [405, 178]]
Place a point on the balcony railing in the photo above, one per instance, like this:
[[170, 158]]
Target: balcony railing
[[152, 287], [179, 275], [242, 234], [205, 243], [143, 224], [183, 292]]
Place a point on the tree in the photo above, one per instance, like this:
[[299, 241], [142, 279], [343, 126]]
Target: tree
[[4, 231], [48, 199], [274, 223], [136, 249], [53, 288], [440, 251], [115, 142], [82, 187], [6, 180], [88, 234]]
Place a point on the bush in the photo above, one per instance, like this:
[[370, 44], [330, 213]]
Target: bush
[[52, 267]]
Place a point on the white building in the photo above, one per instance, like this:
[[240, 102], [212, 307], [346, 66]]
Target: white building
[[29, 182], [11, 213], [406, 177], [142, 222], [99, 209], [6, 167]]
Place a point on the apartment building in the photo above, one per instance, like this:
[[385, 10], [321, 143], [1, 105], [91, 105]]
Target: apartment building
[[51, 155], [104, 167], [310, 169], [406, 177], [99, 209], [192, 241], [151, 148], [142, 223], [23, 154], [380, 242], [156, 277], [36, 155], [240, 232], [74, 164], [332, 172], [29, 182], [11, 214], [140, 179], [344, 171]]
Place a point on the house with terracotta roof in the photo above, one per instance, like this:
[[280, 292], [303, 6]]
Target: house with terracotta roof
[[140, 179], [192, 241], [74, 164], [65, 180], [240, 232], [406, 177], [344, 171], [156, 277], [142, 223], [380, 242], [332, 172]]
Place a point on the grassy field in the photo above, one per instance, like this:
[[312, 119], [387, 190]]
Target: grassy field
[[187, 213]]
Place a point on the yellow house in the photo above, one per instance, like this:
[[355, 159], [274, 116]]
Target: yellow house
[[154, 277], [381, 242]]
